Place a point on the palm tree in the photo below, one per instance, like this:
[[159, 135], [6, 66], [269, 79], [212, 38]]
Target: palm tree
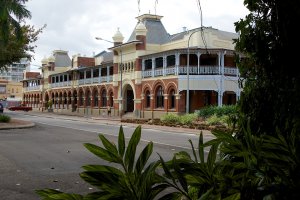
[[12, 12]]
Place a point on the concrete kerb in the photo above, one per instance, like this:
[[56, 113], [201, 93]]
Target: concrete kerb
[[7, 126], [117, 121]]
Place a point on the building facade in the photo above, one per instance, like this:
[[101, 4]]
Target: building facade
[[14, 72], [151, 74]]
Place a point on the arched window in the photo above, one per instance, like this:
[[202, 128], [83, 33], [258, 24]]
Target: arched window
[[111, 100], [88, 98], [96, 103], [172, 99], [159, 97], [80, 99], [104, 99], [65, 98], [148, 99]]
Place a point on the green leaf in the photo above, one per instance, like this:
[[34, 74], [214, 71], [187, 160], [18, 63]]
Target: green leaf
[[121, 142], [50, 194], [207, 195], [108, 145], [212, 155], [143, 158], [193, 150], [102, 153], [131, 149], [47, 192], [179, 175], [201, 147], [102, 168], [236, 196], [168, 174]]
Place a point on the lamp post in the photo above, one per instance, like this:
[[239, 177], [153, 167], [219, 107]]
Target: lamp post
[[121, 73], [188, 74]]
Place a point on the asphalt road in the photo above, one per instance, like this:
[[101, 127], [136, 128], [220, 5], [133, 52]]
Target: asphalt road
[[51, 154]]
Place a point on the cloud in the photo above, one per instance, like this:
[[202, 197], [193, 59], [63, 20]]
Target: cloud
[[72, 25]]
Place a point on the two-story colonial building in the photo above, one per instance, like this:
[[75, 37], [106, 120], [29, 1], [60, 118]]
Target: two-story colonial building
[[151, 74]]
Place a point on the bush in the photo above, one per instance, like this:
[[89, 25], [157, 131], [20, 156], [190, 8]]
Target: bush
[[215, 120], [215, 110], [187, 119], [170, 118], [4, 118], [49, 104]]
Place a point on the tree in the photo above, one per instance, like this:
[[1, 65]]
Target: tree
[[270, 99], [16, 37], [269, 105]]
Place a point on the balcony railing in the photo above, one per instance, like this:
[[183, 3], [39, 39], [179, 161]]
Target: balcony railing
[[193, 70], [61, 84], [33, 88], [101, 79]]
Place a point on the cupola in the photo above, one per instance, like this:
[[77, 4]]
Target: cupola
[[118, 38], [140, 29]]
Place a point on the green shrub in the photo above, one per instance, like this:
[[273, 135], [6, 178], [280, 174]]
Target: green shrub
[[206, 111], [49, 104], [215, 119], [188, 119], [170, 118], [4, 118], [216, 110]]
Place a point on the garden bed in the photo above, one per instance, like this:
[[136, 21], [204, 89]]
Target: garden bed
[[198, 124]]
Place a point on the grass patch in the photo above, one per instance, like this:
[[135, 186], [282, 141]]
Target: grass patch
[[4, 118]]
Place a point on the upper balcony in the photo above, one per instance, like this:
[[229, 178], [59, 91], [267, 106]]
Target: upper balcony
[[83, 76], [33, 88], [208, 62]]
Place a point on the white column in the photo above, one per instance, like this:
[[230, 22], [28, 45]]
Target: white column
[[153, 66], [164, 64], [177, 62], [99, 76], [84, 76], [198, 56], [107, 73]]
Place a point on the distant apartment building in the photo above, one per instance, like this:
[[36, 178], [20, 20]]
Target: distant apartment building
[[14, 72], [151, 74]]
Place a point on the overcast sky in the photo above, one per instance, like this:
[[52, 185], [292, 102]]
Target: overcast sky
[[72, 25]]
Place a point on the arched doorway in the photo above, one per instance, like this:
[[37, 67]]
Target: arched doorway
[[128, 97]]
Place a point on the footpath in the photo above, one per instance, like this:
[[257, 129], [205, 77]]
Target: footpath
[[101, 120]]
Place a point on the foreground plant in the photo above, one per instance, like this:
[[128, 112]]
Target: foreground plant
[[133, 179]]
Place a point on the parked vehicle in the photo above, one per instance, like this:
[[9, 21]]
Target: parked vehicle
[[1, 108], [22, 108]]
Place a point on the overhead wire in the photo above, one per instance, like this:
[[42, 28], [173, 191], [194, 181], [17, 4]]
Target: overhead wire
[[139, 7], [202, 33], [201, 23]]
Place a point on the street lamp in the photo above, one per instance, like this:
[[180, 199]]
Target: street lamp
[[188, 74], [121, 71]]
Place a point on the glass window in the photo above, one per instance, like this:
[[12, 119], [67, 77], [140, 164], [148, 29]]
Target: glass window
[[159, 97], [104, 99], [96, 98], [80, 99], [148, 99], [148, 64], [172, 99], [111, 100], [170, 60], [159, 62], [88, 98]]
